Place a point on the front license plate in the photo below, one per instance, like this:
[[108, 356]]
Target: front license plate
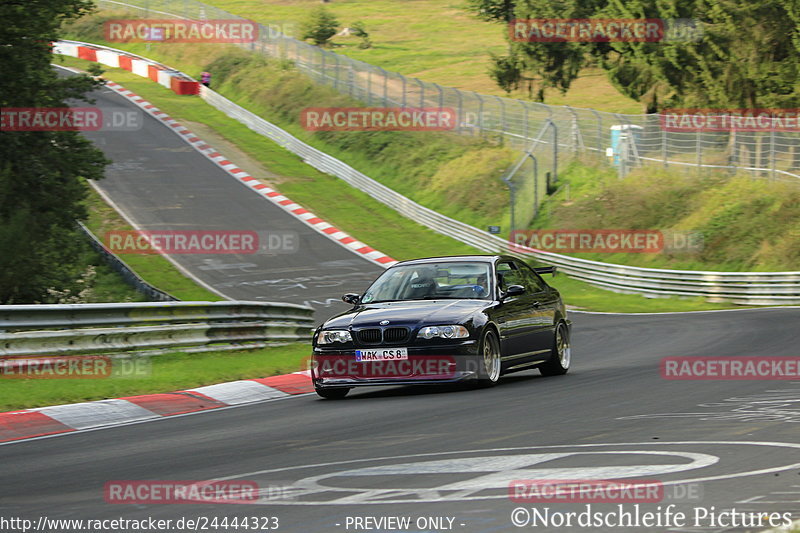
[[386, 354]]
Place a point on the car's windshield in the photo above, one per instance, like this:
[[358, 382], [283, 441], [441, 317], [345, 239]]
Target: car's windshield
[[430, 281]]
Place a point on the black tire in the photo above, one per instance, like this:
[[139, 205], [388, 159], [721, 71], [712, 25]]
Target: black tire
[[561, 354], [489, 359], [332, 394]]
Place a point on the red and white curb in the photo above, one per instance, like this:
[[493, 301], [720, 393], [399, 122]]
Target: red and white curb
[[42, 421], [298, 211]]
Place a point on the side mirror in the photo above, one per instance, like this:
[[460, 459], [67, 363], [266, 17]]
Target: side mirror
[[351, 298], [514, 290]]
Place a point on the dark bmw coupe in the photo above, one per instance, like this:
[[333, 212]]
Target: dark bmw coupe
[[443, 320]]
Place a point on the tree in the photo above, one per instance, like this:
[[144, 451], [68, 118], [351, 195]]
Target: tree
[[505, 71], [552, 65], [359, 30], [747, 57], [41, 186], [492, 10], [320, 26]]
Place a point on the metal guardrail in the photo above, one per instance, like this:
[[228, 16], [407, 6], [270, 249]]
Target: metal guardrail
[[105, 328], [581, 131], [753, 288], [747, 288], [133, 279]]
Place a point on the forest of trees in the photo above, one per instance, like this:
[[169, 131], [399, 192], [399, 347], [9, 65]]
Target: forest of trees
[[748, 56], [41, 186]]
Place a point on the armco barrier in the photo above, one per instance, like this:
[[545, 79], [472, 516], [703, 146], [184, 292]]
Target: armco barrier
[[140, 68], [747, 288], [105, 328], [178, 82], [109, 58], [152, 293]]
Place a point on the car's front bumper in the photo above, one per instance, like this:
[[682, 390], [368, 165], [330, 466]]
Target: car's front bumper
[[430, 364]]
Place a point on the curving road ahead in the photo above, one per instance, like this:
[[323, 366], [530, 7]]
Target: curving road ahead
[[441, 458], [160, 182]]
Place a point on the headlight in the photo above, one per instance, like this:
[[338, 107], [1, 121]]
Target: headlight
[[333, 335], [445, 332]]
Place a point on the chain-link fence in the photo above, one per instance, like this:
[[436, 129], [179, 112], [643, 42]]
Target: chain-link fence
[[620, 139]]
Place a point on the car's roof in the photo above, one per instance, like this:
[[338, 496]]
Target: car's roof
[[451, 258]]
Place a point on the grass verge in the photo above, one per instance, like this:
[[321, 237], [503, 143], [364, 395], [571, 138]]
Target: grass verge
[[153, 268], [375, 224], [436, 40], [168, 372], [102, 284]]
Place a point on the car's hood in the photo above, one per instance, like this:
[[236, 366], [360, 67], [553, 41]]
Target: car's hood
[[410, 313]]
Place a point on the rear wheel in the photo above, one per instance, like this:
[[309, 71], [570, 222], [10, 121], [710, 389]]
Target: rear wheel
[[489, 373], [332, 394], [561, 355]]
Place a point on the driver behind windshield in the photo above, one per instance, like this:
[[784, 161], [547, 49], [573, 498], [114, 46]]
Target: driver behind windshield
[[422, 285]]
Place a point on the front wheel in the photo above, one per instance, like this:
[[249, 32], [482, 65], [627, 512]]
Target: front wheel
[[489, 373], [332, 394], [561, 356]]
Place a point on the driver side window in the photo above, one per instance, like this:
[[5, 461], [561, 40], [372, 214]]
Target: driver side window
[[507, 275], [533, 283]]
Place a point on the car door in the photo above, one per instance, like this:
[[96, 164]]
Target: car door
[[514, 316], [545, 304]]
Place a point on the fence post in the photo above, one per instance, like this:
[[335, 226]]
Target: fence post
[[664, 146], [369, 86], [421, 92], [459, 111], [385, 87], [535, 185], [502, 115], [322, 66], [525, 126], [575, 137], [350, 81], [600, 149], [336, 72], [699, 149], [480, 114], [441, 94], [772, 151], [404, 89], [511, 197], [555, 150]]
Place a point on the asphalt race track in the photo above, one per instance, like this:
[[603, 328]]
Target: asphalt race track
[[450, 452], [442, 457], [161, 183]]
